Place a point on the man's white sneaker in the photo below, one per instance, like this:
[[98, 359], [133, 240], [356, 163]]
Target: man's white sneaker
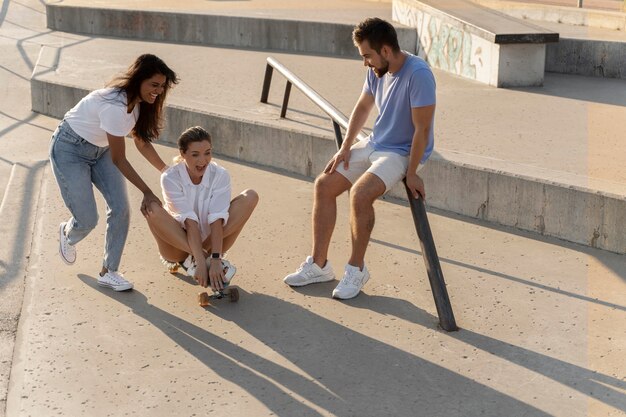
[[350, 285], [115, 281], [67, 251], [310, 273]]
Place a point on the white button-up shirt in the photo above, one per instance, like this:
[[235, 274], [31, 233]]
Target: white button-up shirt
[[204, 203]]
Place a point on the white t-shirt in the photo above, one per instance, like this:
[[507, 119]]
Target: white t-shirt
[[100, 112]]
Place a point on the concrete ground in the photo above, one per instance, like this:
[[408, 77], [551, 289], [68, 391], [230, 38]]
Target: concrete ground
[[542, 322]]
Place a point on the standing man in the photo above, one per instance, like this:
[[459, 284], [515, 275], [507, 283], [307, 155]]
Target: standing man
[[402, 87]]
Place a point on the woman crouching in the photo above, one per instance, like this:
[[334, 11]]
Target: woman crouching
[[199, 222]]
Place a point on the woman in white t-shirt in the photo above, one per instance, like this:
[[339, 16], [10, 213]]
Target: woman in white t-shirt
[[88, 148], [199, 221]]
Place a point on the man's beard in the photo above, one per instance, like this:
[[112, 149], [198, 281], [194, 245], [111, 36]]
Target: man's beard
[[383, 70]]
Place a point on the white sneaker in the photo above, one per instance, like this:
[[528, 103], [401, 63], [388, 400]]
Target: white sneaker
[[350, 285], [189, 265], [115, 281], [172, 267], [310, 273], [229, 271], [67, 251]]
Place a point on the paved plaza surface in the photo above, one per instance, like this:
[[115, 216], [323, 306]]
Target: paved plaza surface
[[542, 322]]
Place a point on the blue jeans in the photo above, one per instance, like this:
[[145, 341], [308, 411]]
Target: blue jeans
[[77, 164]]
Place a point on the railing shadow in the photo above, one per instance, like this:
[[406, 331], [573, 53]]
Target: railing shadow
[[603, 388], [317, 346], [507, 276]]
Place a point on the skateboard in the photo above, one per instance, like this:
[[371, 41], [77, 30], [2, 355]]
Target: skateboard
[[205, 300], [230, 292]]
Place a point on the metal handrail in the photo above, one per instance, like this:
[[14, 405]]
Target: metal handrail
[[418, 210]]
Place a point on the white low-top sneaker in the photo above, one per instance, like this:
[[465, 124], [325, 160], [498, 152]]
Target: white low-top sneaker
[[67, 251], [350, 285], [115, 281], [310, 273], [189, 265]]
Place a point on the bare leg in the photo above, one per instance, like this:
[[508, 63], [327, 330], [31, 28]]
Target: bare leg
[[365, 191], [327, 188], [241, 208], [171, 238]]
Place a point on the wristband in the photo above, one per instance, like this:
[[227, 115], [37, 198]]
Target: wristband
[[216, 255]]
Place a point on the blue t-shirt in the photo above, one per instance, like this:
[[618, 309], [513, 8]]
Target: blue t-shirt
[[395, 95]]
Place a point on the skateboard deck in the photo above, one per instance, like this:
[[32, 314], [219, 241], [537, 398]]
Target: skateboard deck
[[230, 293]]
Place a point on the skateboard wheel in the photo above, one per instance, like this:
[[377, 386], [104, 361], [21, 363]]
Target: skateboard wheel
[[203, 299], [234, 295]]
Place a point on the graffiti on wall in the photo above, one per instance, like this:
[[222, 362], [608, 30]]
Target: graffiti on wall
[[443, 45], [450, 49]]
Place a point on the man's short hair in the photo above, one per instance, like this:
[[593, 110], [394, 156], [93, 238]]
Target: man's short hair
[[377, 33]]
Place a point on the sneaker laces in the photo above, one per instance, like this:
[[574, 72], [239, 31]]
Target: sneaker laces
[[64, 242], [117, 277], [305, 266], [353, 277]]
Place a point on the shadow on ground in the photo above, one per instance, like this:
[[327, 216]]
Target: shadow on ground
[[336, 363]]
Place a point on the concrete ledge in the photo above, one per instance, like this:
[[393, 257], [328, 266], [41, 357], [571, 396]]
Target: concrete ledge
[[477, 43], [232, 31], [549, 13], [550, 203]]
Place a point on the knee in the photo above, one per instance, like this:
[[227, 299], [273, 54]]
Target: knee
[[324, 186], [361, 197], [121, 212], [87, 222], [251, 198], [155, 212]]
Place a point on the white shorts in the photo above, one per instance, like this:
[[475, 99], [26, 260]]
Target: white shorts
[[390, 167]]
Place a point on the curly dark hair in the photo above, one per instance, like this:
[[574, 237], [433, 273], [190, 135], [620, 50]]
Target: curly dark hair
[[377, 33], [150, 121]]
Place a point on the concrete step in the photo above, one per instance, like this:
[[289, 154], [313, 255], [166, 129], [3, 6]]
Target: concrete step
[[18, 211], [583, 50], [259, 25], [535, 197]]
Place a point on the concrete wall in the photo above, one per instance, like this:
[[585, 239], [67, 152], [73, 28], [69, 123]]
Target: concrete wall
[[495, 191], [587, 57], [232, 31], [456, 46]]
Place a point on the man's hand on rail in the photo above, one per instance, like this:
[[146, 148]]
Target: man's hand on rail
[[342, 155], [415, 185]]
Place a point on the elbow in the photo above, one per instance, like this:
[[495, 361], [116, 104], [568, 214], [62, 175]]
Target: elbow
[[117, 161], [423, 132], [139, 143]]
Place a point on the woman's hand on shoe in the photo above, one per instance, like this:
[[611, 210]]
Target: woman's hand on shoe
[[216, 274]]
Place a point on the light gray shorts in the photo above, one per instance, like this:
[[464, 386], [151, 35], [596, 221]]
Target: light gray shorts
[[390, 167]]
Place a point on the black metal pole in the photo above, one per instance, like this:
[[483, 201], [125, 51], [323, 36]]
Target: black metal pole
[[269, 70], [283, 110], [431, 260], [338, 136]]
